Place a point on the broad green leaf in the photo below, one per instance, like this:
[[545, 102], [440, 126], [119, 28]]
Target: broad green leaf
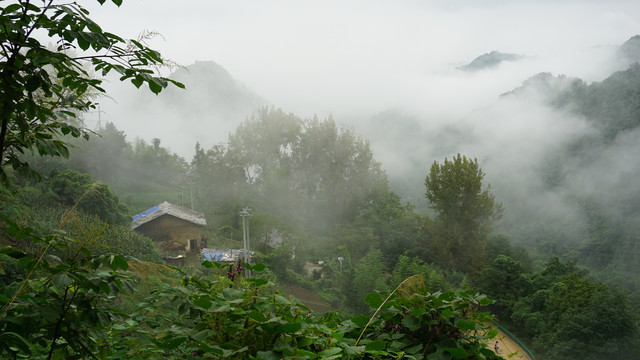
[[173, 342], [213, 349], [439, 355], [447, 313], [154, 86], [373, 300], [330, 351], [16, 340], [286, 348], [82, 42], [289, 328], [413, 349], [411, 323], [14, 253], [118, 262], [485, 302], [376, 345], [304, 342], [202, 335], [465, 324], [203, 302], [493, 332], [223, 308], [306, 354], [457, 353], [353, 350], [33, 83], [11, 8], [281, 299], [136, 81], [257, 316], [258, 282], [488, 353], [360, 320], [231, 293], [61, 281], [212, 264], [268, 355]]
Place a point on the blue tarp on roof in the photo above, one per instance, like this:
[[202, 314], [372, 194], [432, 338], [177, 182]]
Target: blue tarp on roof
[[146, 212], [213, 256]]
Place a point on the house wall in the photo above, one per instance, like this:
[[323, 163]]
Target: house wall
[[167, 227]]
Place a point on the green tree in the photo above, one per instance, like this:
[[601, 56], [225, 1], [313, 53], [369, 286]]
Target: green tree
[[568, 316], [337, 172], [395, 227], [43, 89], [103, 156], [323, 171], [501, 245], [465, 213], [503, 280], [368, 276], [405, 267], [70, 186]]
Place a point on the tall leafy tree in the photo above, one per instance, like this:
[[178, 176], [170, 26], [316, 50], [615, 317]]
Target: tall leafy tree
[[464, 213], [323, 171], [43, 89]]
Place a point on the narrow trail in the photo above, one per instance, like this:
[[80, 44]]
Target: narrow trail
[[508, 346], [311, 300]]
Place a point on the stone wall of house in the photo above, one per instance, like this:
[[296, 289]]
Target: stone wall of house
[[167, 228]]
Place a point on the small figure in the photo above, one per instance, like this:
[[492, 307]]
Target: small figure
[[496, 347]]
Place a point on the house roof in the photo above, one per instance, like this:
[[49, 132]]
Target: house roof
[[166, 208], [222, 255]]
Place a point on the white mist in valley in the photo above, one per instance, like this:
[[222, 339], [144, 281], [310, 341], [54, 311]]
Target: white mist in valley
[[395, 73]]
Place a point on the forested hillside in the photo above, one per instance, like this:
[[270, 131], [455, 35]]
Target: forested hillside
[[341, 211], [604, 159], [560, 155]]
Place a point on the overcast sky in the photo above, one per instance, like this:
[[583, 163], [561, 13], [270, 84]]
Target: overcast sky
[[356, 58]]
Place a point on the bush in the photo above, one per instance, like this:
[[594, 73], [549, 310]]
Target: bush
[[10, 270]]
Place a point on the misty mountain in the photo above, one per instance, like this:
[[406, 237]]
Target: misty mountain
[[490, 60], [559, 152], [207, 111], [612, 105], [630, 50]]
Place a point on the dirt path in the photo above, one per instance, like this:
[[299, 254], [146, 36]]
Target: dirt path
[[310, 299], [509, 346]]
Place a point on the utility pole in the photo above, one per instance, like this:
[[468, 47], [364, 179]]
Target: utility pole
[[99, 112], [246, 213], [191, 191]]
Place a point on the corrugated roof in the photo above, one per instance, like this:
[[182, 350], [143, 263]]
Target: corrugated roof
[[167, 208]]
